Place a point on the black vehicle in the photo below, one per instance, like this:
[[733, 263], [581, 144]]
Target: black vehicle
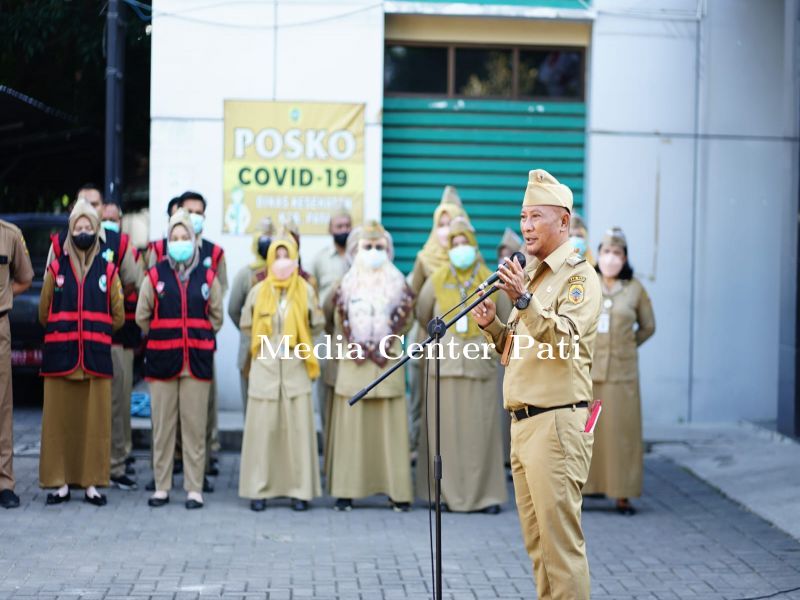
[[26, 334]]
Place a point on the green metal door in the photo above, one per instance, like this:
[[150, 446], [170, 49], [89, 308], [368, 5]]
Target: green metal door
[[483, 147]]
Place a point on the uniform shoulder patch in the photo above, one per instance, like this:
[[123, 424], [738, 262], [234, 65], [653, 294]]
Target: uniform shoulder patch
[[575, 259], [576, 293], [576, 279]]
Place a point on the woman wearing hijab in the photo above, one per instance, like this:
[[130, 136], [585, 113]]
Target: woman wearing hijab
[[369, 441], [246, 278], [626, 322], [80, 306], [471, 442], [180, 306], [279, 448], [432, 256]]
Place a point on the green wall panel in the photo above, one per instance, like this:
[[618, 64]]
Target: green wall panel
[[483, 147]]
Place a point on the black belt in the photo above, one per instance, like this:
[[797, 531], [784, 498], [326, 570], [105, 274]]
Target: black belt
[[3, 313], [532, 411]]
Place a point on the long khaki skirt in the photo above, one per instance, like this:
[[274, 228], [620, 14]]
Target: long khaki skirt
[[369, 449], [279, 450], [617, 455], [76, 432], [473, 476]]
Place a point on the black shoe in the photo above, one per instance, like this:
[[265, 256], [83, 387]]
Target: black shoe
[[95, 500], [494, 509], [130, 470], [626, 509], [56, 499], [130, 459], [177, 469], [258, 505], [299, 505], [595, 496], [208, 487], [400, 506], [157, 502], [193, 504], [343, 505], [212, 470], [124, 482], [8, 499], [151, 486]]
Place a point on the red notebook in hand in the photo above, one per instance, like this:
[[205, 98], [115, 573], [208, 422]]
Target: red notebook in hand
[[594, 413]]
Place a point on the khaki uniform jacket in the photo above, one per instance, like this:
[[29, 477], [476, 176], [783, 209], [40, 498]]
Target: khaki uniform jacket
[[271, 379], [566, 303], [15, 263], [615, 351], [469, 366], [328, 267]]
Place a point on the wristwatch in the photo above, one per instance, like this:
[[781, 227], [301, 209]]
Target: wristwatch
[[523, 301]]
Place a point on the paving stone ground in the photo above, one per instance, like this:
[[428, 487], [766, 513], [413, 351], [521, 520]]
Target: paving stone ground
[[688, 541]]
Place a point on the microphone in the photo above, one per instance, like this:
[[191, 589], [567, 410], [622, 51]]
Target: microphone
[[495, 276]]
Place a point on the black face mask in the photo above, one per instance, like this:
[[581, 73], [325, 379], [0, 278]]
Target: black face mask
[[263, 246], [340, 239], [83, 241]]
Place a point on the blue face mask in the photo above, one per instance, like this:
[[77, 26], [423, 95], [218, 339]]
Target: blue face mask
[[111, 226], [463, 257], [180, 250], [579, 244], [197, 222]]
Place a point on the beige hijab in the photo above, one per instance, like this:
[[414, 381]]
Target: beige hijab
[[82, 259]]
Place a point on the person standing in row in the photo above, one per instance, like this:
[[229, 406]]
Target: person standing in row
[[471, 441], [626, 322], [557, 302], [80, 306], [279, 448], [124, 341], [247, 277], [579, 237], [211, 256], [430, 258], [369, 441], [16, 276], [328, 267], [180, 307]]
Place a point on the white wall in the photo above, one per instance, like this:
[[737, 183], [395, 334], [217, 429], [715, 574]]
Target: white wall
[[718, 307], [326, 51]]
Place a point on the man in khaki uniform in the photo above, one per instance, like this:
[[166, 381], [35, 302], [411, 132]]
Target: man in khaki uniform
[[547, 347], [16, 274]]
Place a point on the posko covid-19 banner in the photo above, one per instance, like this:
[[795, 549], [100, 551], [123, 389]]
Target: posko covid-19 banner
[[292, 161]]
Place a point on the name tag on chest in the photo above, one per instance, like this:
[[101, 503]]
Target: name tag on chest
[[604, 323]]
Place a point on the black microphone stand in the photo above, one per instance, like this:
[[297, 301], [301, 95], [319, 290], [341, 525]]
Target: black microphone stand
[[437, 327]]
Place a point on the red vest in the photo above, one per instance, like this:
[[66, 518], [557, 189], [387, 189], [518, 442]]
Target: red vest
[[180, 332], [78, 331]]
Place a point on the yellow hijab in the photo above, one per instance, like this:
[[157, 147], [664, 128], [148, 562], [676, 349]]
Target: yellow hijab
[[433, 255], [295, 326], [448, 281]]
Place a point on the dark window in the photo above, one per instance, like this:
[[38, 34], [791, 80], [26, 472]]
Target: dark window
[[415, 69], [493, 72], [551, 73], [481, 72]]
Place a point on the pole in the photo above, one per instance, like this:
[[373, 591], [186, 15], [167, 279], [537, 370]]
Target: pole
[[115, 50]]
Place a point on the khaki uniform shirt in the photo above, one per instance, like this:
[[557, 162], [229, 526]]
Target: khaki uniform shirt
[[565, 303], [15, 263], [271, 379], [328, 267], [618, 337]]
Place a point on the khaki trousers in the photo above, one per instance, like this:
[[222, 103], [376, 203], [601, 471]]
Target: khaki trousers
[[550, 458], [121, 387], [184, 399], [6, 409]]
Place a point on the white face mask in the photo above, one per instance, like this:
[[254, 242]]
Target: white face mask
[[373, 259]]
